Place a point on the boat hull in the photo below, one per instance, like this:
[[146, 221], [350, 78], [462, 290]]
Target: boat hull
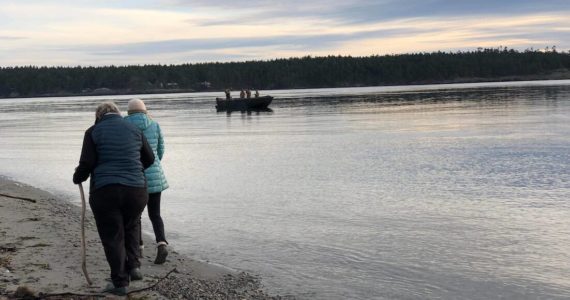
[[243, 104]]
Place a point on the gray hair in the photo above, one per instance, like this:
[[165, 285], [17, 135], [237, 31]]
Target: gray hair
[[106, 107]]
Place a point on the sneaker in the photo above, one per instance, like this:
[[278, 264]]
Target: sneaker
[[119, 291], [135, 274], [161, 254]]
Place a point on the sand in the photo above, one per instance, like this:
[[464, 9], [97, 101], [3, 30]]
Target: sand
[[40, 255]]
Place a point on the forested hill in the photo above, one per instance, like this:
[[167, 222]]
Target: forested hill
[[306, 72]]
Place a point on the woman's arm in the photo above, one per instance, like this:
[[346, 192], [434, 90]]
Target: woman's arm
[[160, 148], [147, 157], [88, 159]]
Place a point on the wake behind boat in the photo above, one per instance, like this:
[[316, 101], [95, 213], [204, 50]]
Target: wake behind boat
[[243, 104]]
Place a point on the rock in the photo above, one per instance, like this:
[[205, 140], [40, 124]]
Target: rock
[[24, 292]]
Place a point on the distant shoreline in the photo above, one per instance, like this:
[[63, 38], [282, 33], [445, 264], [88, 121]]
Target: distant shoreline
[[559, 75], [113, 93]]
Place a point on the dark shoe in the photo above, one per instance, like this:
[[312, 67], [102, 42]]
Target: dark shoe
[[161, 254], [119, 291], [135, 274]]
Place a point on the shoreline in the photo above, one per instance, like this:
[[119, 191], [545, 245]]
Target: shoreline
[[513, 78], [40, 256]]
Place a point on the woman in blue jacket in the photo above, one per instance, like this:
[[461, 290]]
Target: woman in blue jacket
[[114, 154], [156, 181]]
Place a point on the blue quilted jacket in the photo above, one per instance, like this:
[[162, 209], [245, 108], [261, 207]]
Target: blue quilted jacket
[[156, 181]]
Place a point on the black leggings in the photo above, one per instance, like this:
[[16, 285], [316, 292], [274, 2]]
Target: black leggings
[[153, 208], [117, 210]]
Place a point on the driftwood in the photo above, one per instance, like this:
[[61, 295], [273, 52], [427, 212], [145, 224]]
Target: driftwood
[[83, 258], [45, 296], [152, 286], [20, 198]]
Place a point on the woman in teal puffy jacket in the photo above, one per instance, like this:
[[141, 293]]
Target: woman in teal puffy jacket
[[156, 181]]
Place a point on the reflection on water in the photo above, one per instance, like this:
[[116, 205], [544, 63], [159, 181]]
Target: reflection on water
[[249, 112], [451, 191]]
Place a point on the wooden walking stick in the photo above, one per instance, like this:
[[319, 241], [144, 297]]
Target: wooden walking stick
[[83, 259]]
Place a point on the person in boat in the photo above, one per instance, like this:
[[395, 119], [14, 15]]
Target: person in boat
[[256, 94], [114, 154], [155, 178], [242, 94], [248, 93], [228, 95]]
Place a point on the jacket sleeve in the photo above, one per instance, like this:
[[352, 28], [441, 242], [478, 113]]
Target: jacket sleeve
[[88, 159], [160, 148], [147, 157]]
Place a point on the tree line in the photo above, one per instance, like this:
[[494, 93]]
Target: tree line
[[289, 73]]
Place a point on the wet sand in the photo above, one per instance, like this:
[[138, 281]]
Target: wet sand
[[40, 255]]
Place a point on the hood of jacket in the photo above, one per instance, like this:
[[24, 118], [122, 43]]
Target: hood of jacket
[[141, 120]]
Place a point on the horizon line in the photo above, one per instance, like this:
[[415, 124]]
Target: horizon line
[[547, 49]]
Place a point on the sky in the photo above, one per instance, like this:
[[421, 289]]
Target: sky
[[105, 32]]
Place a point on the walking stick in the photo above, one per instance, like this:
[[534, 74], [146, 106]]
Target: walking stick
[[83, 260]]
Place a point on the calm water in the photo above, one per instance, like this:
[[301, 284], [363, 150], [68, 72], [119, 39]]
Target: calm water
[[450, 191]]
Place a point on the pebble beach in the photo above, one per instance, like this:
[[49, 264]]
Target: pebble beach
[[40, 257]]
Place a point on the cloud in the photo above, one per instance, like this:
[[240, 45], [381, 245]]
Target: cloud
[[173, 31], [11, 38], [312, 41], [367, 11], [371, 11]]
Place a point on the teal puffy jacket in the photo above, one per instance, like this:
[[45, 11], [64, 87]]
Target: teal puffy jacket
[[156, 181]]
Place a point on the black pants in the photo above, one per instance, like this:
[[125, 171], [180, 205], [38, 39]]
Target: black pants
[[153, 208], [117, 209]]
